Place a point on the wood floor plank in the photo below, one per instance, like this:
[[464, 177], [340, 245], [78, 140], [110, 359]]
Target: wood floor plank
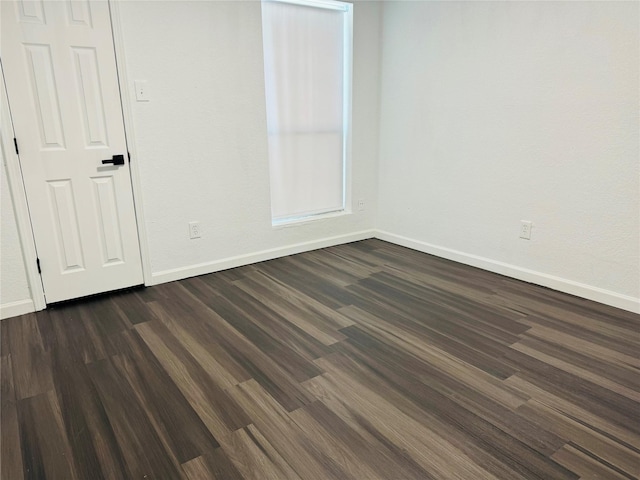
[[91, 438], [546, 303], [213, 329], [143, 451], [449, 326], [101, 311], [592, 364], [358, 253], [435, 331], [340, 260], [255, 457], [614, 351], [213, 466], [358, 457], [210, 402], [198, 338], [291, 312], [172, 416], [611, 406], [329, 443], [582, 436], [520, 451], [448, 364], [10, 450], [580, 372], [45, 450], [201, 289], [585, 466], [206, 358], [31, 362], [455, 398], [386, 459], [478, 451], [472, 281], [360, 361], [5, 325], [316, 311], [309, 284], [287, 438], [469, 313], [575, 411], [73, 330], [131, 307], [286, 345], [437, 457]]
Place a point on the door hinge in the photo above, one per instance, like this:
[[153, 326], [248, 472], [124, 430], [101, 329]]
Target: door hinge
[[129, 155], [38, 264], [15, 143]]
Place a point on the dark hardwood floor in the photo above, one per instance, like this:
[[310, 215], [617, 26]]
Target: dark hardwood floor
[[361, 361]]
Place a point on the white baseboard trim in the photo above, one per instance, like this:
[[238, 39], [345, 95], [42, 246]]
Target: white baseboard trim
[[589, 292], [261, 256], [13, 309], [607, 297]]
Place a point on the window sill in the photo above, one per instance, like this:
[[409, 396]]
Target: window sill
[[294, 222]]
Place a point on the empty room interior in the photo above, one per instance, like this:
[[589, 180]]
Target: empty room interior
[[315, 239]]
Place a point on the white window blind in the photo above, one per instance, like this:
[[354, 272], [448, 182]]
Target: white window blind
[[307, 59]]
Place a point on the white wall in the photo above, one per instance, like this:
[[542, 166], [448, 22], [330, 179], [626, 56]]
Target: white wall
[[15, 297], [490, 113], [496, 112], [201, 141]]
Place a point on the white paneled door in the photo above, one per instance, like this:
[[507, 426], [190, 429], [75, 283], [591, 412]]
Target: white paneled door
[[60, 72]]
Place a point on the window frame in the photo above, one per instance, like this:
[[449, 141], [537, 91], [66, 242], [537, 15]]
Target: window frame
[[347, 103]]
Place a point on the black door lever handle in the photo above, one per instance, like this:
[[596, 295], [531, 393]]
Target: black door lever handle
[[115, 160]]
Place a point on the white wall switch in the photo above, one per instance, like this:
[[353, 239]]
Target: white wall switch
[[142, 90]]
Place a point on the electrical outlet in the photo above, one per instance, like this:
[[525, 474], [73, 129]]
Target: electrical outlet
[[194, 230], [361, 204], [525, 229], [142, 90]]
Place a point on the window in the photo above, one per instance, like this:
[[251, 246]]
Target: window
[[307, 63]]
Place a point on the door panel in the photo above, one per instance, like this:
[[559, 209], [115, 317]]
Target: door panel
[[44, 95], [31, 12], [65, 223], [60, 73], [93, 117], [109, 224]]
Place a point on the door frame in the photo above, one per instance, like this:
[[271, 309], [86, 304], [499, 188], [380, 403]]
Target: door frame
[[127, 116], [19, 198], [16, 183]]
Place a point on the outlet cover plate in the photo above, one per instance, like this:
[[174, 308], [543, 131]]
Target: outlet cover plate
[[525, 229], [194, 230]]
